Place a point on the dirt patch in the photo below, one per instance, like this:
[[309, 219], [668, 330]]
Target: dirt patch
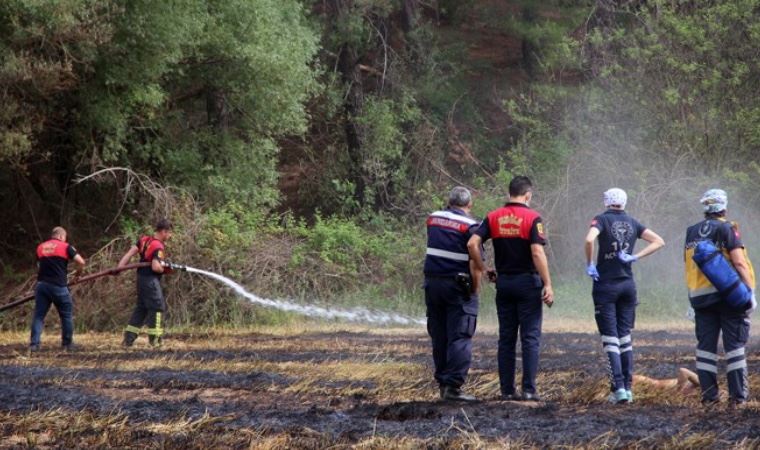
[[401, 412]]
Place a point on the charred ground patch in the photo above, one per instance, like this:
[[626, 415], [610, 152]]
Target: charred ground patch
[[315, 389]]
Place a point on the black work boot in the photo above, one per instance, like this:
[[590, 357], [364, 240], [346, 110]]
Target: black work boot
[[456, 394], [129, 339], [513, 397]]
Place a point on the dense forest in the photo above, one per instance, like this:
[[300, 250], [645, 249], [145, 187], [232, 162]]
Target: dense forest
[[298, 144]]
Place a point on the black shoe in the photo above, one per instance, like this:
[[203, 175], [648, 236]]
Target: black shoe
[[710, 403], [513, 397], [69, 348], [456, 394], [34, 348], [736, 403], [530, 397], [129, 339]]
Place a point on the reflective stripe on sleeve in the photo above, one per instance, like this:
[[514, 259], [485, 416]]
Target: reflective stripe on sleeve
[[447, 254]]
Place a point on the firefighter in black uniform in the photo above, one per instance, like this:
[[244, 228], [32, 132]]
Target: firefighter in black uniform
[[522, 283], [712, 315], [150, 305], [451, 293], [53, 258]]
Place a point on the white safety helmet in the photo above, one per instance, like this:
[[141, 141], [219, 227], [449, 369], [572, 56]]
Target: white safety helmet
[[615, 197], [714, 201]]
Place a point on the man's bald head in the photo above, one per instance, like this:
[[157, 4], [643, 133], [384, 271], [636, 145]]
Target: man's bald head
[[59, 233]]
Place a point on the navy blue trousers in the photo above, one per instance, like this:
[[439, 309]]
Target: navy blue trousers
[[520, 309], [45, 295], [451, 320], [615, 314], [710, 322]]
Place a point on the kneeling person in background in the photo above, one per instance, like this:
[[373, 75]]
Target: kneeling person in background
[[150, 305], [53, 258]]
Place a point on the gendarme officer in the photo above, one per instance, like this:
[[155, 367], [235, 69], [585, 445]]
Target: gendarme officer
[[450, 293], [522, 283]]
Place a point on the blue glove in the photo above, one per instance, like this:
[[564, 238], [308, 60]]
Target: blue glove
[[626, 258], [592, 272]]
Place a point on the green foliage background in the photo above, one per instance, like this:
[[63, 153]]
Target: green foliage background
[[298, 144]]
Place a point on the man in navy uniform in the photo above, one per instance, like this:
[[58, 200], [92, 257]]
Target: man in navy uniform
[[451, 293], [522, 284], [53, 258], [614, 290], [712, 315]]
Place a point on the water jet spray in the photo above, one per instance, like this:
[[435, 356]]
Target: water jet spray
[[352, 314]]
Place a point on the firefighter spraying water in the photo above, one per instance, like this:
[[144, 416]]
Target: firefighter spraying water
[[352, 314]]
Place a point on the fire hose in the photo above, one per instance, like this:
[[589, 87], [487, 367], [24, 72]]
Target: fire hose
[[87, 278]]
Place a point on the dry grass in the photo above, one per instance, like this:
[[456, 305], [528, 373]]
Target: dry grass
[[324, 387]]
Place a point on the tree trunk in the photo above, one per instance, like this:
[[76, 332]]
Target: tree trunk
[[349, 69], [409, 15], [529, 49], [217, 110]]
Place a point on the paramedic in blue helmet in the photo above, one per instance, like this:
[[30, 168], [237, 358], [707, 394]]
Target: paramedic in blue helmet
[[614, 290], [451, 293], [713, 316]]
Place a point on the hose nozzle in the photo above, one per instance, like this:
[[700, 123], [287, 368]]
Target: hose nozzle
[[174, 266]]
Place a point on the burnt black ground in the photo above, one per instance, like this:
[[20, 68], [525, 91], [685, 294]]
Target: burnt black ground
[[572, 371]]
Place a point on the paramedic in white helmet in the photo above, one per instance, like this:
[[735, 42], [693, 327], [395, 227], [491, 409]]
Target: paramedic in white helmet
[[713, 316], [614, 291]]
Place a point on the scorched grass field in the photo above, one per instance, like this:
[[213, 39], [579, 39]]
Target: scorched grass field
[[318, 386]]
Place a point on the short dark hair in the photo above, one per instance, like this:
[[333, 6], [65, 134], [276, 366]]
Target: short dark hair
[[715, 215], [520, 185], [163, 224]]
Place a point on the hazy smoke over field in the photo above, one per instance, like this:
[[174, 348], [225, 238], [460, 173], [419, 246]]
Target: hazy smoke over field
[[664, 184]]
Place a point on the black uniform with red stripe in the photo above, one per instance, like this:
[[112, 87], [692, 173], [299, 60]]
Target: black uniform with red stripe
[[513, 229], [53, 258], [150, 298]]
